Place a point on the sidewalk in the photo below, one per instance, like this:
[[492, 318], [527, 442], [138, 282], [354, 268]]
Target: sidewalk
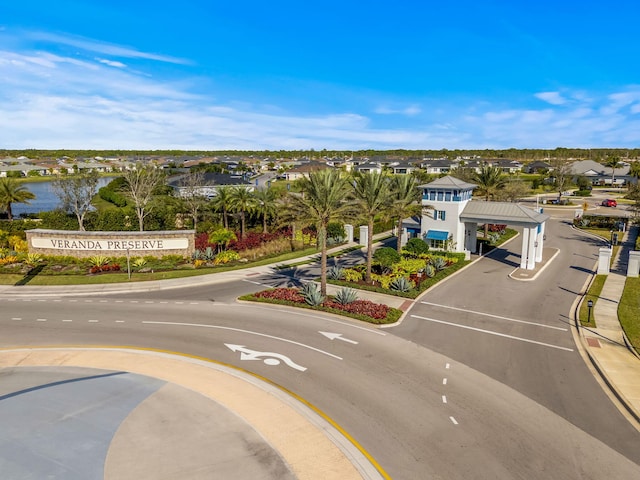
[[605, 345]]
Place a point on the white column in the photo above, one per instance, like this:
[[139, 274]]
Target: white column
[[531, 251], [471, 237], [525, 248], [404, 237], [348, 230], [540, 242], [633, 267], [604, 261], [363, 235]]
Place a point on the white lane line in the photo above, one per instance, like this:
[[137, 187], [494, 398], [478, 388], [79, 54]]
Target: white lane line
[[179, 303], [453, 420], [444, 399], [301, 314], [444, 381], [194, 303], [93, 321], [119, 301], [119, 321], [164, 302], [16, 318], [481, 330], [495, 316], [255, 283], [41, 319], [244, 331], [67, 320], [149, 301], [133, 301]]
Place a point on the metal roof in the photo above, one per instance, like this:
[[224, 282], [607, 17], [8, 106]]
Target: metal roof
[[501, 213], [449, 182]]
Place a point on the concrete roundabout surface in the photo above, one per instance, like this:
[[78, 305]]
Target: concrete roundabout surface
[[118, 413]]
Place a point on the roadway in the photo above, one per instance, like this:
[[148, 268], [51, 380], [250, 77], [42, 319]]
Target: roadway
[[482, 379]]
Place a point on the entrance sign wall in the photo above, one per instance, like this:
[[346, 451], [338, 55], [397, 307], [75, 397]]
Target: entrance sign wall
[[82, 244]]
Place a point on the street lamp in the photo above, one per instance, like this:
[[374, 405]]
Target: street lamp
[[589, 307]]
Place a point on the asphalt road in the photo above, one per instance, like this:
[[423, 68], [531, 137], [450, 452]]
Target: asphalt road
[[483, 381]]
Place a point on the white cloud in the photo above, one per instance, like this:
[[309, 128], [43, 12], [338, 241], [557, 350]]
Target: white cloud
[[111, 63], [103, 47], [554, 98], [409, 111]]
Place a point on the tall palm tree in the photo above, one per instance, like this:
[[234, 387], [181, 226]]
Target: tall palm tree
[[372, 196], [12, 192], [266, 204], [222, 203], [613, 163], [406, 201], [242, 201], [325, 199], [489, 180]]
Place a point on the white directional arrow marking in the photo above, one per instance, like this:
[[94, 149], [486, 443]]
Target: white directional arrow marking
[[274, 358], [337, 336]]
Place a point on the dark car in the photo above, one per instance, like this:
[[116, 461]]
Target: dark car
[[609, 202]]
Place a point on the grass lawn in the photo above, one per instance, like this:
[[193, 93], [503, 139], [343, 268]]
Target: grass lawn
[[629, 311], [593, 294]]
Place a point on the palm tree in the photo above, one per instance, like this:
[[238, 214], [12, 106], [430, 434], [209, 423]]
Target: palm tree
[[613, 163], [489, 180], [324, 201], [242, 201], [222, 203], [406, 201], [266, 204], [12, 192], [372, 196]]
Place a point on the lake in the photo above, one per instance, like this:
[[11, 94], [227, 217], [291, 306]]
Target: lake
[[45, 199]]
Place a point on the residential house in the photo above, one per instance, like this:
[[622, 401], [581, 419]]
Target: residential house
[[210, 184]]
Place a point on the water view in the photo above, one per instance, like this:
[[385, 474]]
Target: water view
[[45, 198]]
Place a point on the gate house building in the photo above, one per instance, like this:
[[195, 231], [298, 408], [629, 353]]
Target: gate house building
[[450, 220]]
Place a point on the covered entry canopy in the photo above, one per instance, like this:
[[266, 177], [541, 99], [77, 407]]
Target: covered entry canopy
[[531, 221], [501, 213]]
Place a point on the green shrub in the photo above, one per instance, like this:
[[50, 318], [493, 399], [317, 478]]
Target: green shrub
[[335, 273], [409, 266], [352, 275], [386, 257], [346, 296], [401, 284], [416, 246]]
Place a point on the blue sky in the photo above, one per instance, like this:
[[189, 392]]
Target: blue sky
[[345, 75]]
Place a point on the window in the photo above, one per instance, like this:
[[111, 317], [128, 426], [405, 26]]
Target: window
[[440, 196], [432, 195], [441, 215], [447, 196]]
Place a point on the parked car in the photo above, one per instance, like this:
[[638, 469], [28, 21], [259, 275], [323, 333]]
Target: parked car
[[609, 202]]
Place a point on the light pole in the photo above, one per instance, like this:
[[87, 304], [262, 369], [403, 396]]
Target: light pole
[[589, 307]]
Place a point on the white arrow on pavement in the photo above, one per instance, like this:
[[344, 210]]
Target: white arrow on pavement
[[274, 358], [337, 336]]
